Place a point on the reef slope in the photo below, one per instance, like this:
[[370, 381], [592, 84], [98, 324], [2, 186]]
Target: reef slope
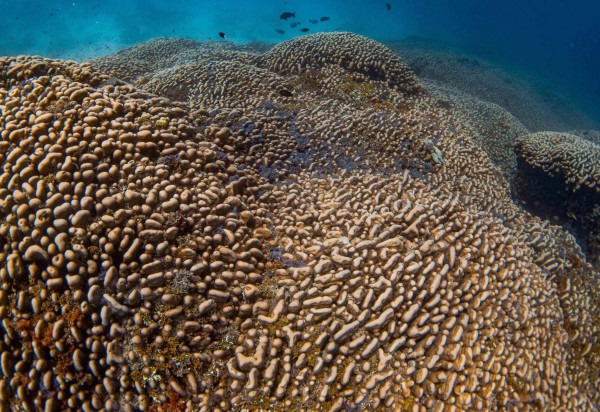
[[529, 99], [190, 226]]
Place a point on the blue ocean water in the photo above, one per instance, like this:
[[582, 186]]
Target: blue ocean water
[[556, 40]]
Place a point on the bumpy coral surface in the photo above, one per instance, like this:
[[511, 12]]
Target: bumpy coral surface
[[347, 50], [559, 177], [535, 104], [574, 159], [591, 135], [490, 126], [304, 228]]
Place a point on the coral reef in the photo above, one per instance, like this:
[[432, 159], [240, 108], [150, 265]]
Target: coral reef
[[591, 135], [575, 160], [535, 104], [346, 50], [559, 178], [139, 63], [490, 126], [298, 228]]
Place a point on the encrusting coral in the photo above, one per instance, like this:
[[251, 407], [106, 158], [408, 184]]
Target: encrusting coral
[[490, 126], [572, 158], [299, 229], [559, 178]]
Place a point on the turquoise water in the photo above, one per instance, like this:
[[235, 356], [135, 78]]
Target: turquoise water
[[555, 40]]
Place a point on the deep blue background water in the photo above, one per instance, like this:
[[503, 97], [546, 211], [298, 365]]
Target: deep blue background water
[[558, 41]]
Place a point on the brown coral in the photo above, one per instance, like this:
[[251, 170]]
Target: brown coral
[[350, 51], [559, 178], [94, 248], [139, 63], [575, 160], [343, 247], [493, 128]]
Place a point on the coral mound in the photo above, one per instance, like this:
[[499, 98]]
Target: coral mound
[[341, 245], [559, 178], [111, 186], [347, 50], [137, 64], [493, 128], [575, 160], [591, 135], [240, 84]]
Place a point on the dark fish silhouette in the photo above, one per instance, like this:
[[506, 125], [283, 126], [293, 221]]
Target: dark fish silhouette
[[313, 21], [221, 35], [388, 6], [286, 15], [294, 24], [304, 30], [285, 93], [325, 18], [280, 31]]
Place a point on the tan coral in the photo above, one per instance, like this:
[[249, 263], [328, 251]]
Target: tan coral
[[342, 247], [346, 50], [573, 159], [139, 63], [107, 196], [219, 84], [493, 128]]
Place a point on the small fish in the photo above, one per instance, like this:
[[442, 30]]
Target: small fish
[[285, 93], [294, 24], [286, 15], [221, 35], [280, 31], [304, 30], [325, 18], [388, 6], [314, 21]]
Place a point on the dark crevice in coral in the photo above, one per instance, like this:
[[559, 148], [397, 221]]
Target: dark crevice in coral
[[548, 197]]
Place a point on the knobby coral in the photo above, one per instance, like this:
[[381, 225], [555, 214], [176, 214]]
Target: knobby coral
[[337, 246]]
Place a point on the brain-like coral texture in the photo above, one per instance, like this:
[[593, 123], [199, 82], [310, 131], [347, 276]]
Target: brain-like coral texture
[[574, 159], [303, 228]]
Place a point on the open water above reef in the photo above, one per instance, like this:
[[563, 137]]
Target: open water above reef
[[556, 41]]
